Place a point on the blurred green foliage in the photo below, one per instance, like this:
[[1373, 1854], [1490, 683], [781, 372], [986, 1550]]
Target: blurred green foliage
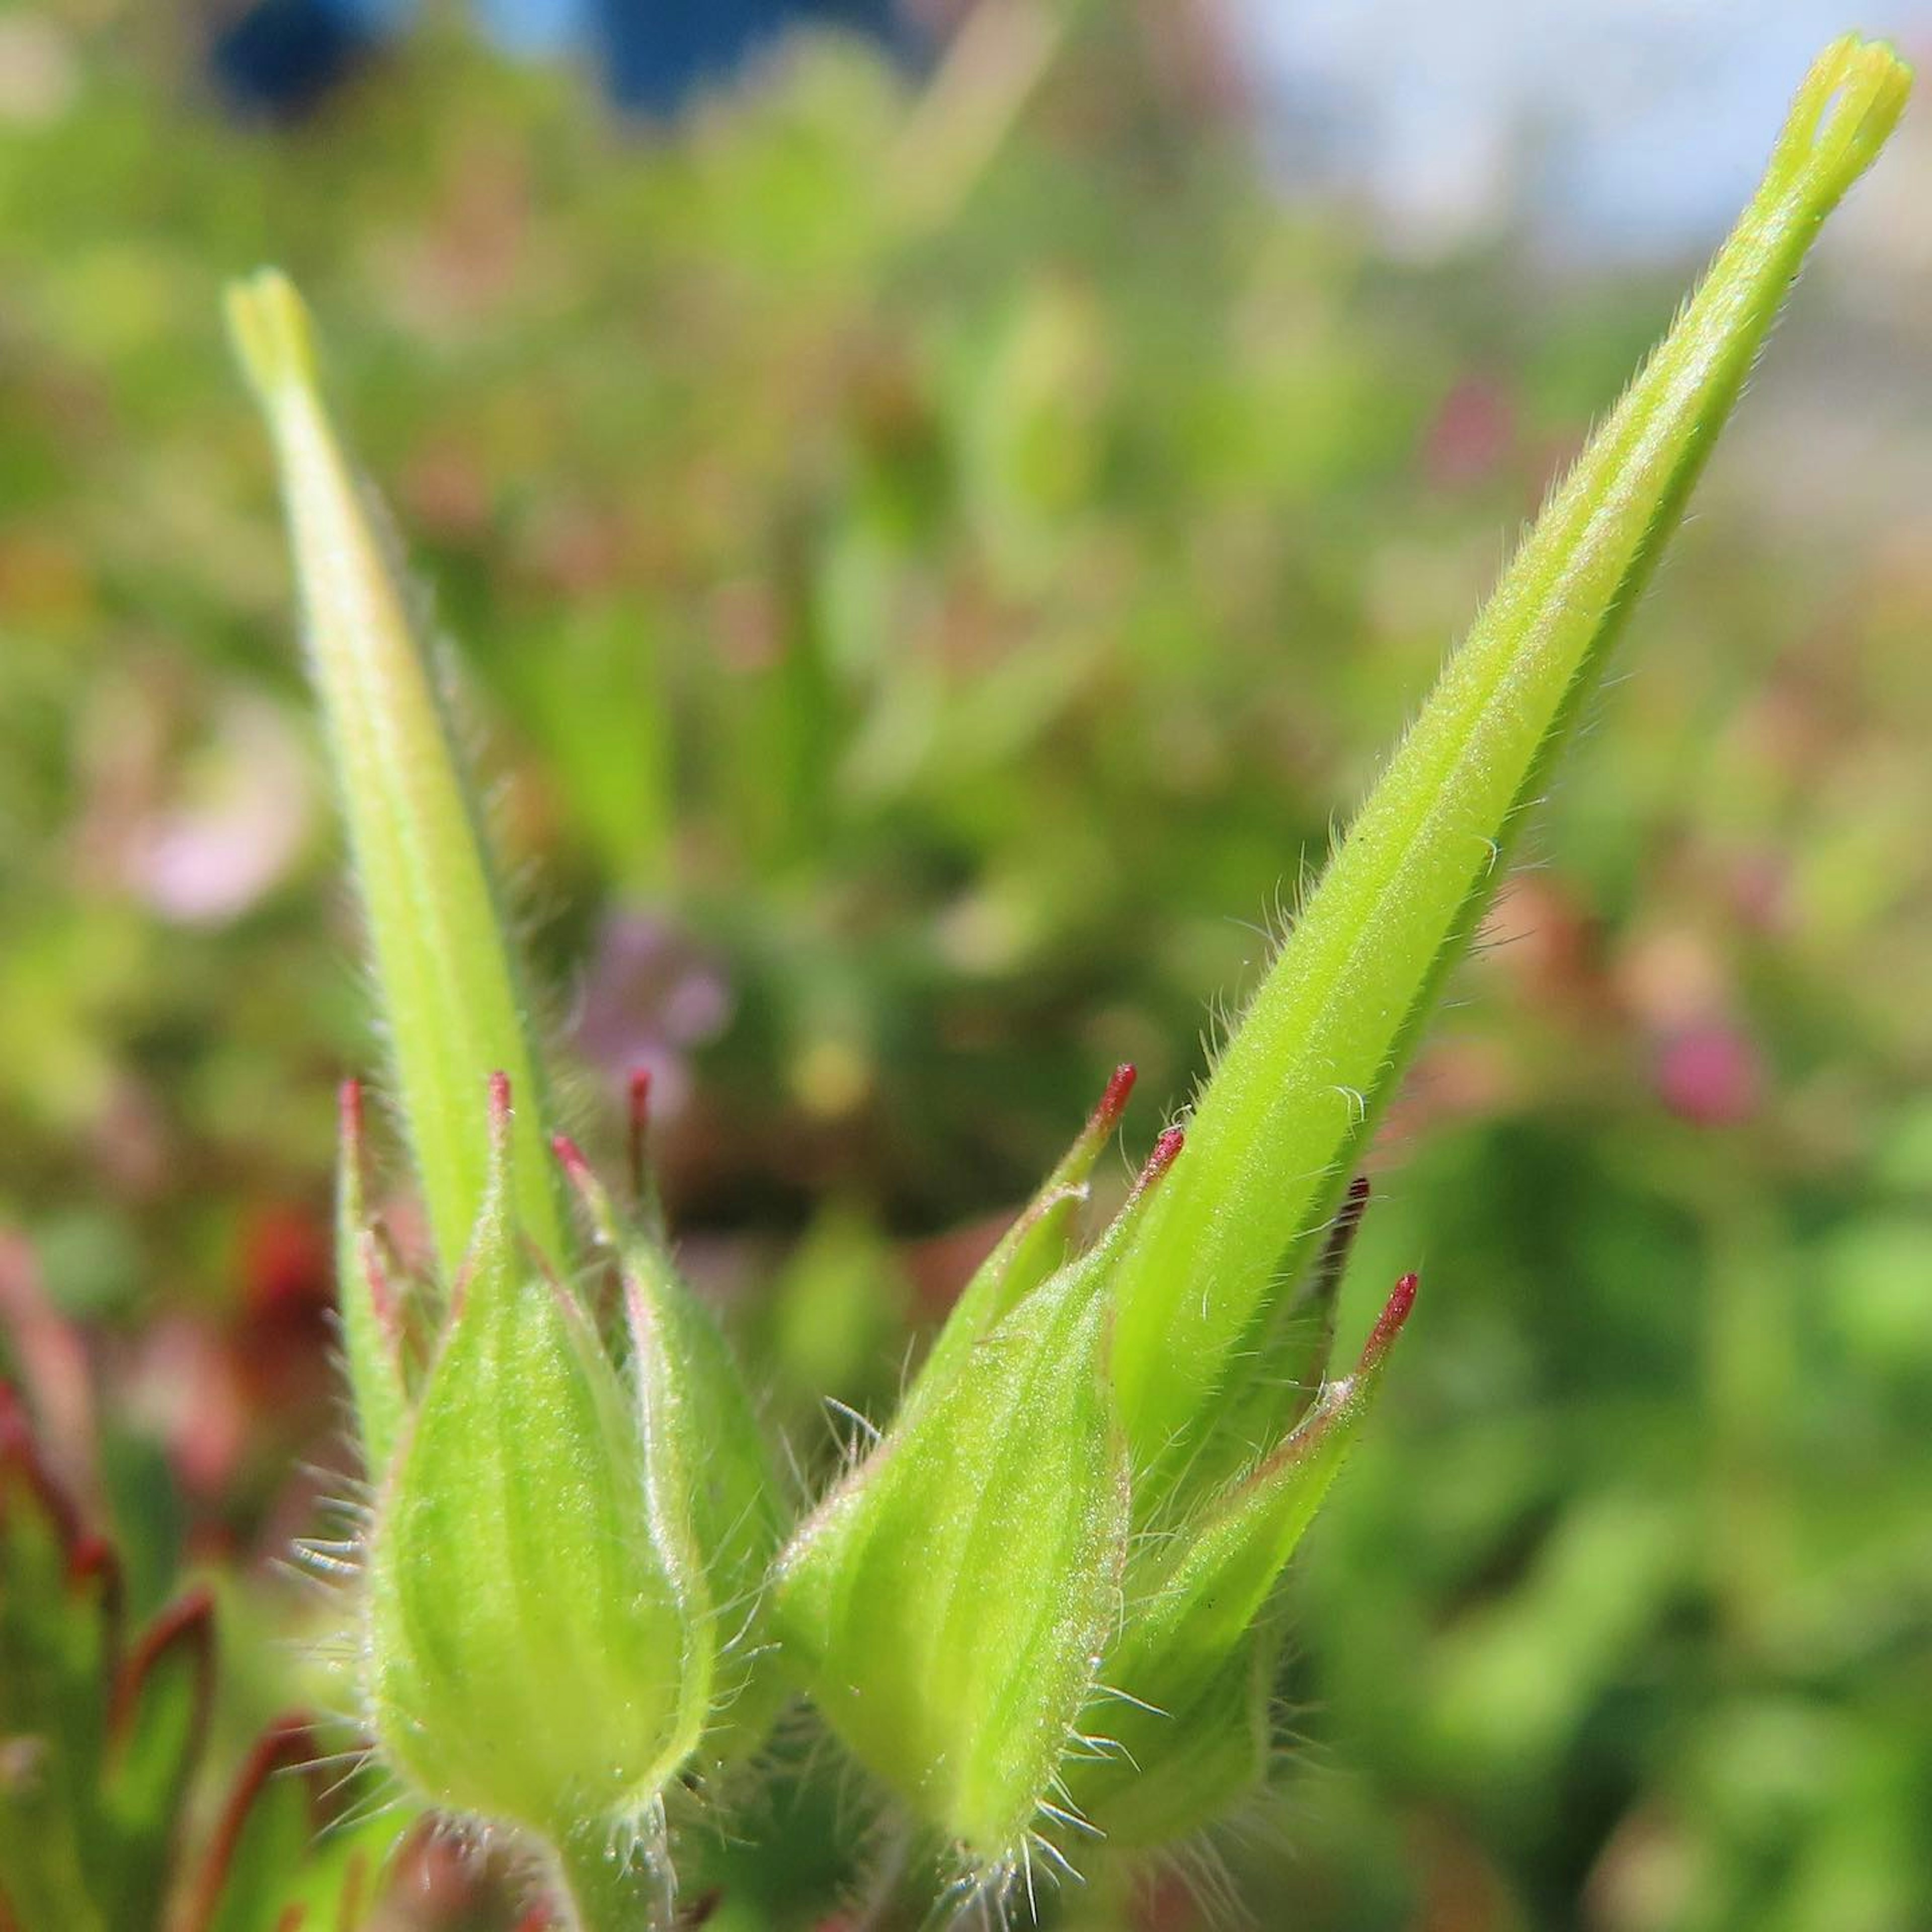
[[914, 593]]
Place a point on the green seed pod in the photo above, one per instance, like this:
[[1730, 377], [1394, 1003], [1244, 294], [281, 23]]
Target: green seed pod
[[947, 1604], [450, 985], [539, 1640], [1295, 1096]]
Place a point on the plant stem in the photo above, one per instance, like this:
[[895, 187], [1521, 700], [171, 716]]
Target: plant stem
[[606, 1887]]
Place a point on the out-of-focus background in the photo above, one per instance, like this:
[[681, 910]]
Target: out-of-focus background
[[941, 506]]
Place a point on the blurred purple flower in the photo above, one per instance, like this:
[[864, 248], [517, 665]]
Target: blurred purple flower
[[650, 996]]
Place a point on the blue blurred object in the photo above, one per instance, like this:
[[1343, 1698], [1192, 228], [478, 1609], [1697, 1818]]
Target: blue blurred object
[[656, 52], [282, 57]]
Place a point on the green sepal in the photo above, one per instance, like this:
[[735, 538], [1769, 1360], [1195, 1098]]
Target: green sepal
[[946, 1606], [1205, 1760], [539, 1635], [737, 1516], [688, 1375], [1292, 1101], [1192, 1671], [1038, 1243], [945, 1609]]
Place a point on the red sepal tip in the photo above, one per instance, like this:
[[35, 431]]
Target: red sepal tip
[[1113, 1101], [1166, 1152], [570, 1158], [1389, 1323]]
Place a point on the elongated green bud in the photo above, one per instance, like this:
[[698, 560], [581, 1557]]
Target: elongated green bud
[[539, 1637], [1296, 1092], [451, 1004], [946, 1607]]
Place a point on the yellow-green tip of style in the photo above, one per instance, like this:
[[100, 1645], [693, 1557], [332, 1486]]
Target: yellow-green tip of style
[[269, 322], [1845, 111]]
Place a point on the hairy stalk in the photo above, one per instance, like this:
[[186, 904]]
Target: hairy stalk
[[608, 1888]]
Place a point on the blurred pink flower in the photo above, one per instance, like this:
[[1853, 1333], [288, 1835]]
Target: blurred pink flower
[[1712, 1074]]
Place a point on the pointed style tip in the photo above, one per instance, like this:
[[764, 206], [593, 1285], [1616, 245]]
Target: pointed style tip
[[1860, 76], [1844, 113], [268, 324], [1389, 1323]]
